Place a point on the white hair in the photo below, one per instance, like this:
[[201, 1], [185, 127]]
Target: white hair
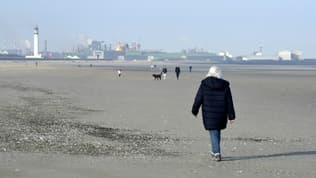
[[214, 71]]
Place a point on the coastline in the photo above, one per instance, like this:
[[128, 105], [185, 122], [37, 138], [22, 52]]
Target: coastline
[[82, 106]]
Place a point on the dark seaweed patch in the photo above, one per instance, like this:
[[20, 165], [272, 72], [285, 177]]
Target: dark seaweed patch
[[45, 124]]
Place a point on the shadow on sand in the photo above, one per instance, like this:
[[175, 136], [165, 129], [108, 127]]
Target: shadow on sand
[[296, 153]]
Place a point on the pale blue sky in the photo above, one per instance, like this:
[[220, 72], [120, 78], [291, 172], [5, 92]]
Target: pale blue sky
[[238, 26]]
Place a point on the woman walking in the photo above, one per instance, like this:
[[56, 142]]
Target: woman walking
[[177, 70], [217, 107]]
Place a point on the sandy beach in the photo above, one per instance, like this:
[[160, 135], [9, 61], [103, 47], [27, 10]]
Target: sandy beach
[[79, 119]]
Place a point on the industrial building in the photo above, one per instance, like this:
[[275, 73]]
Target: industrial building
[[284, 55]]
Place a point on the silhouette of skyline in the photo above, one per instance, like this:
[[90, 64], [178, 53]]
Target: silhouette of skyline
[[239, 27]]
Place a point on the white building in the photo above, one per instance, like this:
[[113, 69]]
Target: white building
[[72, 57], [296, 55], [285, 55], [36, 45], [225, 54], [97, 54]]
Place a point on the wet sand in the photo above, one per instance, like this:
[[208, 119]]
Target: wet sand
[[67, 119]]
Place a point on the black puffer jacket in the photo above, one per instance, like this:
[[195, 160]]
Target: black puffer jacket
[[217, 104]]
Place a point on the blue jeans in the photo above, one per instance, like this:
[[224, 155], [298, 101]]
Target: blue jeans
[[215, 140]]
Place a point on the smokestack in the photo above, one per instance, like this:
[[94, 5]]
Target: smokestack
[[45, 46]]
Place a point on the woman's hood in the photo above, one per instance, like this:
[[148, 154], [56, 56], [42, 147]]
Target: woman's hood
[[215, 83]]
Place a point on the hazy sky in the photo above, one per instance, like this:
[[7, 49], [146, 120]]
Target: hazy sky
[[238, 26]]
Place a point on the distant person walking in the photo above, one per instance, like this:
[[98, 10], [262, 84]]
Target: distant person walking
[[177, 70], [217, 107], [119, 72], [164, 72], [190, 68]]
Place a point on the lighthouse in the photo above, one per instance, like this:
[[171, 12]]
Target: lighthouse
[[36, 45], [36, 41]]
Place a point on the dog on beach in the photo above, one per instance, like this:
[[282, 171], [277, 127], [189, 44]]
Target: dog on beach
[[157, 76]]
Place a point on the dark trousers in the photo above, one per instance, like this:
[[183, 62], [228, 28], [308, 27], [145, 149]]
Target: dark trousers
[[177, 74]]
